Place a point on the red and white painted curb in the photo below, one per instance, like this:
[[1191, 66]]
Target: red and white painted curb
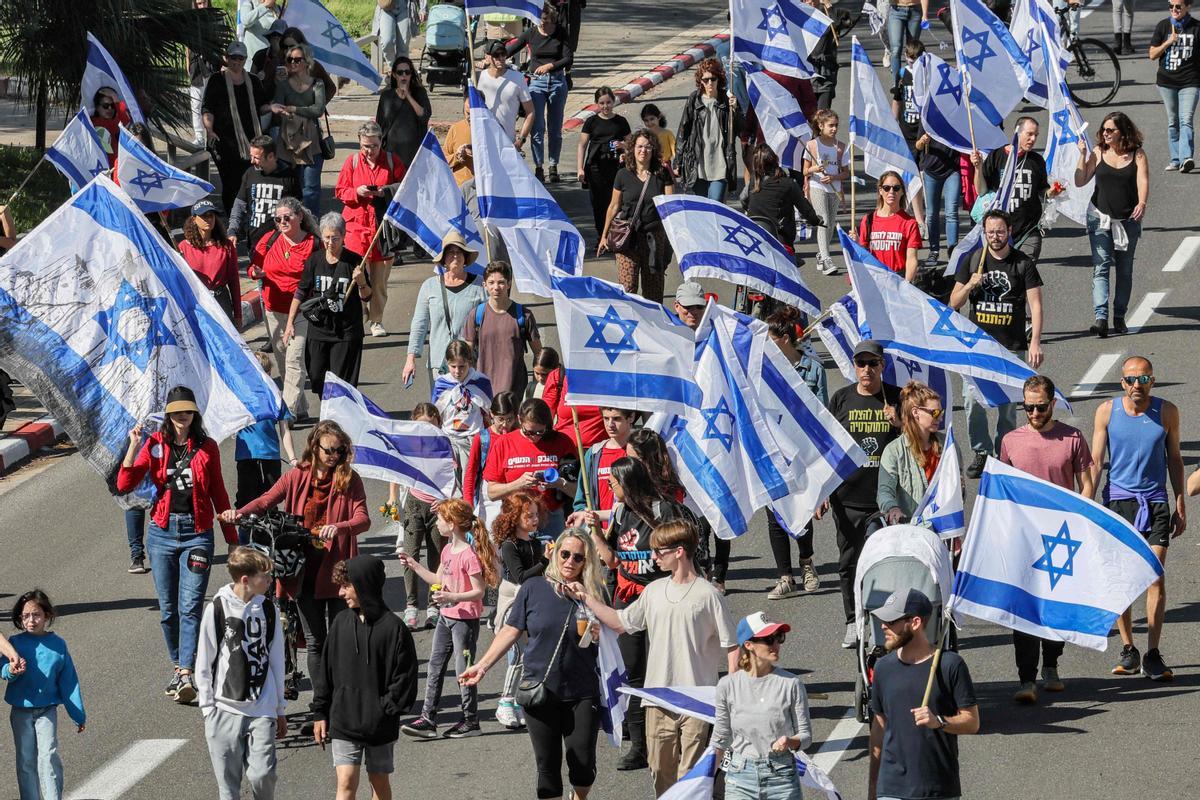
[[669, 69]]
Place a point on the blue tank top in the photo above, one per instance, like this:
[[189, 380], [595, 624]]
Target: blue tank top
[[1137, 448]]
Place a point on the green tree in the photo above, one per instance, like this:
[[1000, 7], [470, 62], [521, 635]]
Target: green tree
[[44, 42]]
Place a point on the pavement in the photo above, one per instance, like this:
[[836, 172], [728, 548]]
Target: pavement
[[1104, 736]]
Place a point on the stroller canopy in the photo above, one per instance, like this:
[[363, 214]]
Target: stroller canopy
[[906, 541]]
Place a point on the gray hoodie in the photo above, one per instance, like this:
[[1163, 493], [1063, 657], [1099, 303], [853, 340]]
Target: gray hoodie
[[234, 670]]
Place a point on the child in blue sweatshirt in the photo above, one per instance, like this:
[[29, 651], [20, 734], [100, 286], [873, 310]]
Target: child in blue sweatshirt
[[43, 678]]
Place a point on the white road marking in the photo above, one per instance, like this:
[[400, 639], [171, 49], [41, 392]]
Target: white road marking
[[1091, 380], [350, 118], [1183, 254], [124, 771], [1145, 310], [831, 750], [1089, 7]]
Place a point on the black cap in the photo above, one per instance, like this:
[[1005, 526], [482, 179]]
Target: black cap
[[869, 347], [497, 48], [904, 603]]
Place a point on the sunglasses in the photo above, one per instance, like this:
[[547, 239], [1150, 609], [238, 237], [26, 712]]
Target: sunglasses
[[403, 72], [106, 105], [710, 79], [285, 218], [662, 551], [868, 363], [778, 636], [567, 555], [1176, 6], [295, 59], [332, 451], [534, 434], [1107, 129], [1041, 408], [891, 187], [936, 413], [1137, 380]]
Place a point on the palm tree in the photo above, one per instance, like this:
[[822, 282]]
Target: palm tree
[[44, 42]]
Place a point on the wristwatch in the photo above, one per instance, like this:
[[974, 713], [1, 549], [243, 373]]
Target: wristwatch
[[941, 720]]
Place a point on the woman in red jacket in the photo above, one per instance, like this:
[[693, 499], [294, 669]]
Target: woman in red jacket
[[365, 186], [185, 467], [329, 495]]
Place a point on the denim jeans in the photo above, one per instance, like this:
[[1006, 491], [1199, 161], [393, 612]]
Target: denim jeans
[[903, 24], [977, 423], [713, 190], [452, 638], [549, 94], [772, 778], [35, 744], [394, 29], [1181, 108], [1104, 257], [180, 585], [310, 184], [949, 189], [135, 531]]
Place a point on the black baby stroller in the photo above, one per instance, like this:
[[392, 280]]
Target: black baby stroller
[[446, 57]]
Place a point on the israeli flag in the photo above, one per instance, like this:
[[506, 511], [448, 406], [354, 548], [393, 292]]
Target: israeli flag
[[938, 92], [330, 43], [529, 9], [417, 455], [711, 240], [1046, 561], [77, 153], [941, 509], [1066, 130], [873, 126], [970, 247], [101, 70], [778, 34], [153, 184], [613, 675], [697, 782], [428, 204], [477, 385], [539, 235], [784, 126], [989, 58], [621, 350], [1035, 30], [100, 318]]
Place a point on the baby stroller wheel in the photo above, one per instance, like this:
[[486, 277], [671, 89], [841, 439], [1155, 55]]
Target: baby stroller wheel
[[862, 699]]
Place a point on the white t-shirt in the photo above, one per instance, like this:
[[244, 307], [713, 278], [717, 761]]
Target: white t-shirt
[[690, 630], [504, 96], [829, 159]]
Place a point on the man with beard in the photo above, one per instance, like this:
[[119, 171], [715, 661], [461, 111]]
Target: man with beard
[[1055, 452], [914, 749]]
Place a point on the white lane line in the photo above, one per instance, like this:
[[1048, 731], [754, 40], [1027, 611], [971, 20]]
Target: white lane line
[[1145, 310], [1183, 254], [1095, 375], [831, 750], [124, 771]]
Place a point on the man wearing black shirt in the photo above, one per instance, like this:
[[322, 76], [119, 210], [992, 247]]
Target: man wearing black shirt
[[1000, 284], [267, 180]]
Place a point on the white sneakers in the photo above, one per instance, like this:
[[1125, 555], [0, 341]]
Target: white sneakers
[[378, 330]]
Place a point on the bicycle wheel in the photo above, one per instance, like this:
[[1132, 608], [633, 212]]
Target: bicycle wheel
[[1094, 74]]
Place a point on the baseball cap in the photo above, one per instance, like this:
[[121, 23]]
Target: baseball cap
[[278, 28], [236, 48], [690, 293], [497, 48], [903, 603], [203, 207], [869, 347], [757, 625]]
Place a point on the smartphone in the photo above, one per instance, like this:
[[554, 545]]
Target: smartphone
[[408, 383], [372, 188]]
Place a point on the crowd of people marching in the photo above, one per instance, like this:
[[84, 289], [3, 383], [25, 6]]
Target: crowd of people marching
[[571, 519]]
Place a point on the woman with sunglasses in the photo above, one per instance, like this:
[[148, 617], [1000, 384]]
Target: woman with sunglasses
[[403, 111], [207, 250], [908, 462], [707, 160], [1173, 46], [233, 101], [761, 717], [108, 114], [300, 103], [889, 232], [329, 495], [1114, 221]]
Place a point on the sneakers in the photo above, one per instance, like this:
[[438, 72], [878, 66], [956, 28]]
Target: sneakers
[[1050, 680], [173, 686], [506, 714], [1130, 662], [931, 260], [463, 729], [410, 618], [552, 173], [137, 566], [1172, 167], [850, 640], [420, 728], [378, 331], [1119, 326], [1026, 695], [1188, 165], [827, 266], [1154, 668], [808, 576], [634, 759], [186, 692], [784, 588], [431, 617], [975, 468]]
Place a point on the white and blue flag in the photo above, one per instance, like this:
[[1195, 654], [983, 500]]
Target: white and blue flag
[[428, 204], [529, 9], [938, 92], [331, 45], [785, 128], [1066, 130], [1035, 30], [77, 153], [613, 703], [941, 509], [153, 184], [417, 455], [970, 247], [778, 34], [873, 126], [993, 66], [1046, 561], [622, 350], [537, 232], [711, 240], [100, 324], [101, 71], [477, 385]]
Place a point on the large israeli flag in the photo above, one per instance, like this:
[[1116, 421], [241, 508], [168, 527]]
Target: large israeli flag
[[413, 454], [1066, 129], [873, 126], [77, 153], [153, 184], [1032, 23], [622, 350], [938, 92], [330, 43], [613, 675], [778, 34], [539, 235], [529, 9], [1046, 561], [992, 64], [711, 240], [100, 324], [941, 509], [428, 204], [784, 126], [101, 70]]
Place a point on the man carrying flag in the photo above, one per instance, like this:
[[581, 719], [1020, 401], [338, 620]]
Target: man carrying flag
[[1055, 452]]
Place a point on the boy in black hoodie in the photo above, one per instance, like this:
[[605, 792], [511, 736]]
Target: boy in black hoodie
[[368, 679]]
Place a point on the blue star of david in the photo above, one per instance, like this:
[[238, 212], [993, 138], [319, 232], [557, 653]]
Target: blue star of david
[[1065, 134], [460, 225], [387, 440], [101, 167], [336, 34], [985, 50], [600, 342], [1046, 562], [773, 22], [945, 327], [712, 428], [734, 235], [157, 333], [946, 86], [913, 367], [147, 180]]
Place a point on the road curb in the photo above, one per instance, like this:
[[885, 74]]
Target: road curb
[[668, 69]]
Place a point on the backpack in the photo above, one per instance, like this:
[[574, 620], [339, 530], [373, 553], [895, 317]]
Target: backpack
[[520, 315], [268, 607]]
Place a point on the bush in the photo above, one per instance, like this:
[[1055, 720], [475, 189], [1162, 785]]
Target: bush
[[41, 196], [355, 15]]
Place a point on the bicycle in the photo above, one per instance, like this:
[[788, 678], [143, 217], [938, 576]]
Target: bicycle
[[1093, 75]]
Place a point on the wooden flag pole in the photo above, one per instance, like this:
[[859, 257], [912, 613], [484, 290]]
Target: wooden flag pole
[[24, 183], [853, 175], [587, 489], [487, 238], [933, 667]]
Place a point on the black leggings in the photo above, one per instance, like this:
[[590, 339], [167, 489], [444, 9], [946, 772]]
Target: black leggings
[[315, 618], [781, 548], [634, 649], [570, 723]]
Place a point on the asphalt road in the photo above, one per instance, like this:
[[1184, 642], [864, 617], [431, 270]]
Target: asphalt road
[[1105, 736]]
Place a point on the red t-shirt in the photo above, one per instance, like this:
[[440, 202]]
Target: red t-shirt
[[512, 455], [891, 238], [605, 500], [282, 268], [591, 424]]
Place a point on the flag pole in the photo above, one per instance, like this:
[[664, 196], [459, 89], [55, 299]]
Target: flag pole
[[23, 184], [853, 176], [487, 238], [812, 326], [587, 489], [933, 667], [733, 98]]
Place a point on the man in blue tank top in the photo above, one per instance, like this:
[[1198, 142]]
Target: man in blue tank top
[[1141, 435]]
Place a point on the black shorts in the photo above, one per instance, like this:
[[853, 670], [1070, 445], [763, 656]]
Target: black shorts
[[1160, 520]]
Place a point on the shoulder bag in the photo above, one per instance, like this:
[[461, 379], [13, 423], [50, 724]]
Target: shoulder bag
[[532, 693], [328, 145], [620, 230]]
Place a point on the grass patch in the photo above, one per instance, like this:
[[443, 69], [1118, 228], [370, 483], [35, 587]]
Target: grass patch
[[356, 16], [42, 195]]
